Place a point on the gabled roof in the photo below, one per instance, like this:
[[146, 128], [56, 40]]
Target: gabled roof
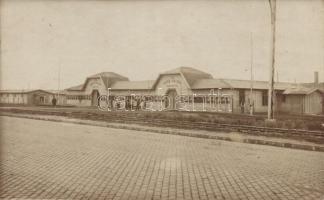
[[77, 87], [189, 74], [193, 78], [132, 85], [301, 91], [108, 78], [107, 74], [197, 79]]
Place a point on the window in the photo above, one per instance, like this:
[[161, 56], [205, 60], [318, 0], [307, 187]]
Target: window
[[199, 99], [225, 100], [265, 98], [41, 99]]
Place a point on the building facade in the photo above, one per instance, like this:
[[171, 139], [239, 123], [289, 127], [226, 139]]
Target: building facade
[[31, 97], [189, 89], [184, 89]]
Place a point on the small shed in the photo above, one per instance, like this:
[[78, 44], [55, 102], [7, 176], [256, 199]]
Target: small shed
[[303, 100]]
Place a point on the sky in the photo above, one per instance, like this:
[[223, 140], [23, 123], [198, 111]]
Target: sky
[[140, 39]]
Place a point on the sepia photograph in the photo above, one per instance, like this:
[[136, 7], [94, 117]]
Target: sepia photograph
[[162, 99]]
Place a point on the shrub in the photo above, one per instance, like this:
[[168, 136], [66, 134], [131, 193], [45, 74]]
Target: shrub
[[270, 124], [300, 125], [287, 124], [314, 126]]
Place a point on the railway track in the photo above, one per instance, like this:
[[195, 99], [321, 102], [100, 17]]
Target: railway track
[[140, 118]]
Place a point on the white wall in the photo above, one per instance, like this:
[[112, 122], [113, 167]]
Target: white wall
[[92, 84], [13, 98], [167, 82]]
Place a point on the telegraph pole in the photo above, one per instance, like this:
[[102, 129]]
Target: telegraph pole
[[251, 92], [272, 4], [58, 83]]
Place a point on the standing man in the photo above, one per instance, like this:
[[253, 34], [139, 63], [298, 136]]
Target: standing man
[[54, 101], [242, 104]]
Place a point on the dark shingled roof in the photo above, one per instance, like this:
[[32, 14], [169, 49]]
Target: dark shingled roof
[[109, 78], [190, 74], [108, 75], [77, 87]]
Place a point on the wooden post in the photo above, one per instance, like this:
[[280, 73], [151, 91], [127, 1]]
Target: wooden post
[[251, 91], [271, 78]]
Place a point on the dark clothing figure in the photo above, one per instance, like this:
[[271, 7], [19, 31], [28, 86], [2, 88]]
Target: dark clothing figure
[[127, 104], [242, 107], [54, 101], [138, 103]]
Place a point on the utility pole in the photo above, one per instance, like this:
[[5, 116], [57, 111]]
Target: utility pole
[[108, 97], [251, 70], [58, 83], [272, 4]]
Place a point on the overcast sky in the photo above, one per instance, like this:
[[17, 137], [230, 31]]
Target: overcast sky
[[140, 39]]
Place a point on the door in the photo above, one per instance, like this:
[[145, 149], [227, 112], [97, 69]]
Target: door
[[41, 100], [94, 98], [172, 93]]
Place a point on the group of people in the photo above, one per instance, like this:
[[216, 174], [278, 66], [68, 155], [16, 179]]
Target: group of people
[[128, 104], [134, 104], [250, 105]]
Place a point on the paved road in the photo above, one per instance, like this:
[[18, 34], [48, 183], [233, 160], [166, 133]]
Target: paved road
[[49, 160]]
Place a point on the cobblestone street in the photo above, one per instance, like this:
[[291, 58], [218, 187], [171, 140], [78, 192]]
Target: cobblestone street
[[50, 160]]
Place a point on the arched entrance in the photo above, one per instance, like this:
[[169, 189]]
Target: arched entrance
[[172, 93], [94, 98]]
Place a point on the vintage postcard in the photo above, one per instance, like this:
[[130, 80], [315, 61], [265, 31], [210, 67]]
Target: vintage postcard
[[161, 99]]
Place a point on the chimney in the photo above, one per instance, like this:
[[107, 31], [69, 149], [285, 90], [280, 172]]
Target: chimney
[[315, 78]]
